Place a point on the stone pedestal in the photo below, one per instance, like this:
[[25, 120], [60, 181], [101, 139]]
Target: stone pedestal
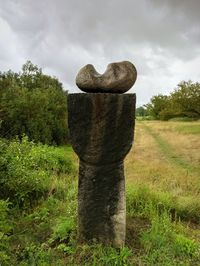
[[101, 131]]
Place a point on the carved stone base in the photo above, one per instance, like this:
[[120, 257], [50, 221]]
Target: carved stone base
[[101, 198], [101, 130]]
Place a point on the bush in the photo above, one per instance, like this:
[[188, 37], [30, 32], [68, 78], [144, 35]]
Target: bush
[[27, 170]]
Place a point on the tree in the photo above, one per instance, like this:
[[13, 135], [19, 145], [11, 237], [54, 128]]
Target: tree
[[158, 104], [183, 101], [141, 111], [186, 99], [34, 104]]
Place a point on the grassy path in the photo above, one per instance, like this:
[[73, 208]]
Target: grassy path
[[168, 152]]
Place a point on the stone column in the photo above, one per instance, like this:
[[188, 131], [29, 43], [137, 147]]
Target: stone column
[[101, 130]]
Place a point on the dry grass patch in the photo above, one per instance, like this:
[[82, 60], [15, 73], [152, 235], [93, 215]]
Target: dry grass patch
[[180, 137], [147, 164]]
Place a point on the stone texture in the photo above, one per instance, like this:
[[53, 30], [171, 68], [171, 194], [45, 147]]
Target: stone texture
[[118, 78], [101, 131]]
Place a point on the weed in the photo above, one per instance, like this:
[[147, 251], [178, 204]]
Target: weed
[[184, 246], [163, 245], [62, 230]]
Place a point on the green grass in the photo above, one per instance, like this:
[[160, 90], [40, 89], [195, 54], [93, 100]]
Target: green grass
[[188, 129], [183, 119], [161, 229]]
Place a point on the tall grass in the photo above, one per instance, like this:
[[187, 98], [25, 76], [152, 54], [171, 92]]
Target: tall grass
[[163, 209]]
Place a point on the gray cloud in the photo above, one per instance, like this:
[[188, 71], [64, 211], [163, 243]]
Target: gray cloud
[[161, 37]]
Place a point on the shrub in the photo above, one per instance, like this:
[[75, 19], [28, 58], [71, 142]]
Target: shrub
[[27, 170]]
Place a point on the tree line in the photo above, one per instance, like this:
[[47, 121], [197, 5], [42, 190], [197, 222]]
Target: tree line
[[33, 104], [184, 102]]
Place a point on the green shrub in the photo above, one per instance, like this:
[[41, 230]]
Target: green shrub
[[27, 170]]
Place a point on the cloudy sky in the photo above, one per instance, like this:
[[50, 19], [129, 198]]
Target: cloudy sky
[[161, 37]]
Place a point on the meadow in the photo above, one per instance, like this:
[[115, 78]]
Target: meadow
[[163, 174], [38, 215]]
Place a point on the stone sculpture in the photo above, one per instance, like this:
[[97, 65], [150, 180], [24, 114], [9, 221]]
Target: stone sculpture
[[101, 130], [118, 78]]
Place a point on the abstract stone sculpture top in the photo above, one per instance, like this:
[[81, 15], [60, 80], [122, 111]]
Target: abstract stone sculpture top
[[118, 78]]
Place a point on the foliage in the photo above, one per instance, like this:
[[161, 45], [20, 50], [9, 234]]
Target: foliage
[[184, 101], [26, 170], [29, 206], [141, 111], [62, 230], [34, 104], [157, 106]]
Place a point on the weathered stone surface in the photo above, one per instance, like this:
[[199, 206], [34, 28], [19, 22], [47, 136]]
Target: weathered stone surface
[[101, 131], [118, 78], [101, 199]]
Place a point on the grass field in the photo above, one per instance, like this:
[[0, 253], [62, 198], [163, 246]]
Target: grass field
[[163, 172], [162, 196], [166, 156]]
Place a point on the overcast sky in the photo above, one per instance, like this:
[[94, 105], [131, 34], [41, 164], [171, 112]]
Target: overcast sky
[[161, 37]]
